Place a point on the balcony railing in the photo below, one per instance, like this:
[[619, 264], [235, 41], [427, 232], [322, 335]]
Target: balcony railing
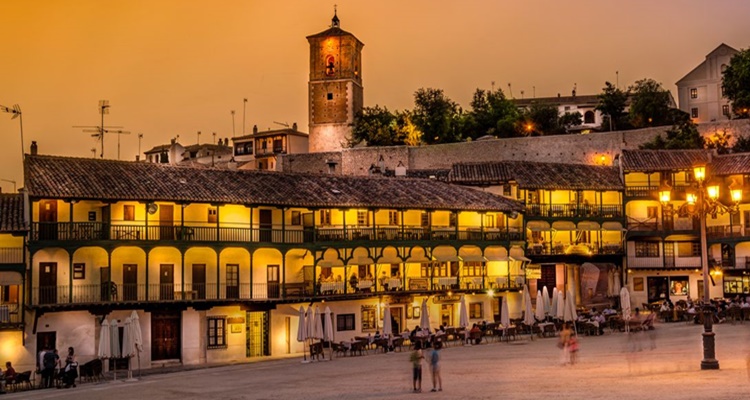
[[10, 316], [726, 231], [11, 255], [97, 231], [664, 262], [575, 249], [574, 210], [641, 191]]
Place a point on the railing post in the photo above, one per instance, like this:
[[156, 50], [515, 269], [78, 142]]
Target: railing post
[[283, 224], [218, 219]]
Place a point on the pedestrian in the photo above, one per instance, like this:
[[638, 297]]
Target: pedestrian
[[416, 362], [573, 349], [50, 361], [437, 380], [563, 343], [71, 369]]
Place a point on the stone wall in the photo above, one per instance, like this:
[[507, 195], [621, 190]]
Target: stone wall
[[593, 148]]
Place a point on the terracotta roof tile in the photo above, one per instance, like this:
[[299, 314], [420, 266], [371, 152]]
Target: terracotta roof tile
[[662, 160], [11, 213], [731, 164], [536, 175], [87, 178]]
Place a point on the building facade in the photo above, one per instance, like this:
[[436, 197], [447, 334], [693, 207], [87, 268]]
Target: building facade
[[260, 150], [216, 262], [700, 93], [335, 88]]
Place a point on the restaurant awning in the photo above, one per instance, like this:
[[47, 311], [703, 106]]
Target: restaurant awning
[[445, 257], [473, 258], [537, 226], [564, 226], [588, 226], [612, 226], [519, 258]]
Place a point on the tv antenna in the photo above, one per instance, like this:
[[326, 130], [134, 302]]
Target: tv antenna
[[140, 136], [99, 131], [284, 124]]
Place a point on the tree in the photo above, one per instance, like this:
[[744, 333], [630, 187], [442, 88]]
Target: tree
[[491, 112], [719, 141], [436, 116], [540, 119], [736, 83], [684, 135], [612, 102], [374, 125], [742, 145], [406, 131], [650, 104], [570, 119]]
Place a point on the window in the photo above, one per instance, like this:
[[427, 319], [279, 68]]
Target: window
[[725, 110], [330, 65], [128, 213], [362, 219], [425, 219], [688, 249], [475, 310], [212, 214], [393, 217], [369, 318], [79, 271], [453, 219], [473, 268], [325, 217], [693, 93], [646, 249], [217, 333], [694, 112], [651, 212], [489, 220], [329, 96], [588, 117], [344, 322], [296, 218], [233, 275]]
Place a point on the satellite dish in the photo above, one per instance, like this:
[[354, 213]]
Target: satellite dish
[[152, 208]]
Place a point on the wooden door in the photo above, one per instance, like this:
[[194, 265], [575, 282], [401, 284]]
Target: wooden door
[[497, 308], [106, 219], [45, 341], [166, 222], [130, 282], [446, 315], [397, 320], [266, 225], [47, 283], [199, 281], [166, 282], [48, 220], [549, 277], [308, 227], [272, 279], [165, 336], [107, 288], [233, 281]]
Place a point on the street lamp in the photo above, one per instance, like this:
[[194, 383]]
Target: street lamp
[[704, 201]]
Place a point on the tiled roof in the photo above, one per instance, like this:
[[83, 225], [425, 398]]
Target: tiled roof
[[536, 175], [662, 160], [95, 179], [11, 213], [731, 164], [439, 174]]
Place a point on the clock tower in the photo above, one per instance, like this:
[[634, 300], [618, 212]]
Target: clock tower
[[335, 87]]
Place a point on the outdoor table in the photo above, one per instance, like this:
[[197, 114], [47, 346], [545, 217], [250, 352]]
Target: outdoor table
[[475, 282], [364, 284], [501, 282], [447, 281], [393, 283], [332, 287]]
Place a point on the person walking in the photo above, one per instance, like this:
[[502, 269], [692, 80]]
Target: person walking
[[564, 343], [437, 380], [416, 362], [50, 361]]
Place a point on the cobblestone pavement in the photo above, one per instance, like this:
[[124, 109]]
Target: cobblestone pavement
[[663, 365]]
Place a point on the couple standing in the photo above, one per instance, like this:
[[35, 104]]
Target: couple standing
[[416, 359]]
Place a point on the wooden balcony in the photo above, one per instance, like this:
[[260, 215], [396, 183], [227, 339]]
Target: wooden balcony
[[11, 255], [609, 211], [98, 231]]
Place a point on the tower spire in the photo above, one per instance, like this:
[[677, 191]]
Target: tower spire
[[335, 19]]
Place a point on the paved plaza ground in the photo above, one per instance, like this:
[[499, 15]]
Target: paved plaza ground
[[609, 367]]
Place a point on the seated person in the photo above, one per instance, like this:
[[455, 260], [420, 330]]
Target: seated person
[[476, 333], [369, 276], [353, 281], [338, 278], [377, 335]]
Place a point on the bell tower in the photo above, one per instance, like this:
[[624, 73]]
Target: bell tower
[[335, 87]]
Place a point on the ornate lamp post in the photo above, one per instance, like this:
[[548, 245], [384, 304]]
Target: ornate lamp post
[[705, 201]]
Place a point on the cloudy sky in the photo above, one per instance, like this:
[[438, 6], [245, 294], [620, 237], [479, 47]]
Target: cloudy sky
[[176, 67]]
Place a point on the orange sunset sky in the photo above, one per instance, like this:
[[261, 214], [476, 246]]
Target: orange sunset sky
[[172, 67]]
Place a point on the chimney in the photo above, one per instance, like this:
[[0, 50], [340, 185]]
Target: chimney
[[34, 149], [137, 157], [255, 129], [294, 126]]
